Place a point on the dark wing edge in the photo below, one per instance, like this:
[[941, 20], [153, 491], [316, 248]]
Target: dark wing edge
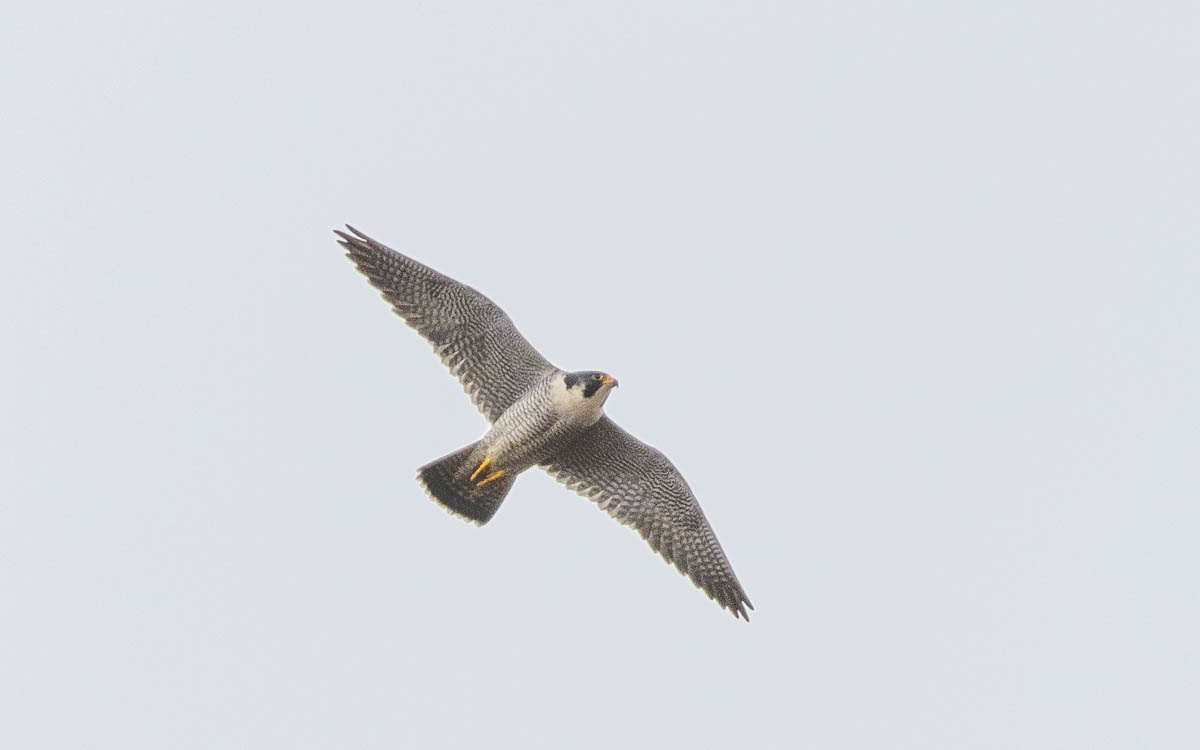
[[641, 488], [470, 333]]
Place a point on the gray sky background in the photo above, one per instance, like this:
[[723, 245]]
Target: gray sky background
[[909, 292]]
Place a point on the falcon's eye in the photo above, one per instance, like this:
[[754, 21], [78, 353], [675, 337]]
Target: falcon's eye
[[597, 377]]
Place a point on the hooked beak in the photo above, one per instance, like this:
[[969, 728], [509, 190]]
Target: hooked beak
[[610, 380]]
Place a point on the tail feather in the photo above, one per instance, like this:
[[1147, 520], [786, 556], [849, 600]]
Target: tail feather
[[450, 485]]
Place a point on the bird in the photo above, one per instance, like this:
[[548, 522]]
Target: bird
[[542, 416]]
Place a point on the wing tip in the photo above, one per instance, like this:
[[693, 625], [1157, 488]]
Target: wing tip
[[739, 608], [357, 244], [357, 234]]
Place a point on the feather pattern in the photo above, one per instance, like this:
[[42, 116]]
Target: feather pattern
[[475, 339], [641, 488], [499, 369]]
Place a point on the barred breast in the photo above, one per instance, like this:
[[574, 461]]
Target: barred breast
[[545, 417]]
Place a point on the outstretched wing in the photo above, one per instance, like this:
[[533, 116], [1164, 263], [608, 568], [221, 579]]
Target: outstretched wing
[[471, 334], [639, 487]]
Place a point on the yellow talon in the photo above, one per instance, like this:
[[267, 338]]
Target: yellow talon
[[494, 475], [482, 466]]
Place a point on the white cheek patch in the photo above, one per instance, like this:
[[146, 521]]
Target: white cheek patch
[[564, 398], [571, 403]]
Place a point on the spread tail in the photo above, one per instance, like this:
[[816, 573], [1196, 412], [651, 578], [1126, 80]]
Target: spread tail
[[470, 492]]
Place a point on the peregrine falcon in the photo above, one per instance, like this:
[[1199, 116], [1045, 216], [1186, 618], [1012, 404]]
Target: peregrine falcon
[[543, 416]]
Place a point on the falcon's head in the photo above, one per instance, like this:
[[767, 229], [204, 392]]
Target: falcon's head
[[589, 384]]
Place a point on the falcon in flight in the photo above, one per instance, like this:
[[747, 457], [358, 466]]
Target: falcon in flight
[[541, 416]]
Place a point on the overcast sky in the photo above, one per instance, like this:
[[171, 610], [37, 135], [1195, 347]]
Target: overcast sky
[[911, 295]]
